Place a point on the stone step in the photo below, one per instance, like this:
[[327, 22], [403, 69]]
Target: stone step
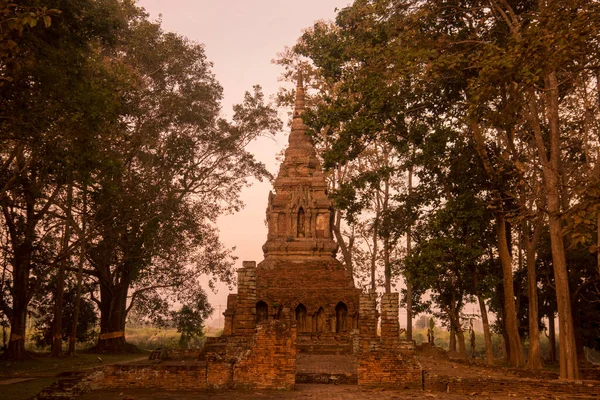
[[326, 378], [318, 348]]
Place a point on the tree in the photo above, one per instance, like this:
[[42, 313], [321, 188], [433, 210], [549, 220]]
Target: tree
[[487, 70], [46, 108], [177, 167]]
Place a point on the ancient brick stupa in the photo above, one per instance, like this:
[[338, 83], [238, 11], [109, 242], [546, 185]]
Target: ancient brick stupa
[[300, 278]]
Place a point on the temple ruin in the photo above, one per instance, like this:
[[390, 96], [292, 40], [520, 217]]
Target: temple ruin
[[300, 279]]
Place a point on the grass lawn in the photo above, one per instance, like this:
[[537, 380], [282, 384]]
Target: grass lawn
[[44, 369]]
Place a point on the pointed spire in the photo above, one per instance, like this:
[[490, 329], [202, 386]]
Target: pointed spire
[[299, 106], [298, 135]]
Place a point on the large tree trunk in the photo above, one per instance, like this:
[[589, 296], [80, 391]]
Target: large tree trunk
[[20, 296], [374, 254], [387, 267], [456, 332], [552, 337], [409, 330], [81, 262], [513, 342], [489, 351], [56, 350], [408, 285], [113, 312], [568, 352], [462, 348], [581, 356], [346, 249], [516, 357], [452, 344], [18, 322], [506, 343], [551, 165], [534, 360]]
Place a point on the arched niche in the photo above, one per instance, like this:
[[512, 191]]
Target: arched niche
[[320, 320], [262, 311], [301, 225], [301, 320], [341, 317]]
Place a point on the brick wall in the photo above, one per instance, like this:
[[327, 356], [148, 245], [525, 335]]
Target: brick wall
[[390, 326], [271, 363], [170, 377], [383, 361], [245, 313], [266, 360], [382, 368], [367, 326], [219, 371]]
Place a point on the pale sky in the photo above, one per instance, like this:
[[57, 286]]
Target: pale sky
[[241, 37]]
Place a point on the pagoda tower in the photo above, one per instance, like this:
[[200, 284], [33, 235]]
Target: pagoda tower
[[300, 278]]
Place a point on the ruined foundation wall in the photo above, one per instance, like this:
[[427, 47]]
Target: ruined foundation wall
[[244, 320], [170, 377], [381, 363], [261, 356], [271, 362]]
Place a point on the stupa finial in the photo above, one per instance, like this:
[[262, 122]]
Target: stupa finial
[[299, 105]]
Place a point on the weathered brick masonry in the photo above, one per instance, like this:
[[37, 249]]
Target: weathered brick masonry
[[253, 356], [171, 377], [271, 363], [300, 278], [382, 362]]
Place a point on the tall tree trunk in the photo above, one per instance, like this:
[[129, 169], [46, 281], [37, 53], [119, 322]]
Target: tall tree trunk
[[374, 254], [462, 348], [534, 360], [506, 343], [18, 319], [457, 334], [387, 265], [581, 356], [22, 250], [16, 343], [489, 351], [113, 312], [81, 262], [552, 337], [56, 349], [409, 305], [346, 249], [516, 357], [551, 167], [513, 342]]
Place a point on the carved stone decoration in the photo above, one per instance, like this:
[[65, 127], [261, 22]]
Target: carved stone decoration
[[299, 272], [300, 185]]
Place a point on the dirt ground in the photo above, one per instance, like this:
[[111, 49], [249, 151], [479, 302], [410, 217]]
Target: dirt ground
[[338, 364], [348, 392], [303, 391]]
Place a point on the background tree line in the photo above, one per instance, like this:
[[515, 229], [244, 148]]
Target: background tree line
[[115, 164], [463, 136]]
